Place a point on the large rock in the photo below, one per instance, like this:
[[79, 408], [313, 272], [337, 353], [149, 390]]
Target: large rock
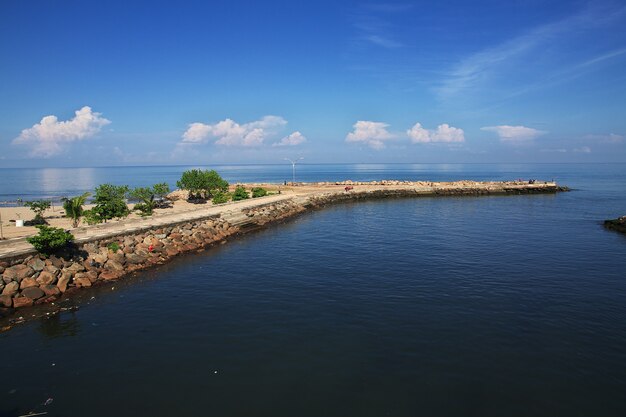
[[28, 283], [37, 264], [46, 278], [64, 281], [50, 290], [6, 301], [117, 257], [100, 258], [52, 270], [75, 267], [110, 275], [113, 265], [34, 293], [17, 273], [81, 280], [11, 288], [22, 302], [134, 258]]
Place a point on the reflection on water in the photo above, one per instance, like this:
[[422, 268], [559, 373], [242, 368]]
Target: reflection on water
[[59, 325], [56, 181]]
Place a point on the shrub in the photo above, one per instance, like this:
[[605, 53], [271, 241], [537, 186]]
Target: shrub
[[50, 239], [240, 193], [110, 202], [221, 198], [259, 192], [91, 217], [74, 207], [202, 184], [147, 196], [38, 207], [160, 191], [113, 246]]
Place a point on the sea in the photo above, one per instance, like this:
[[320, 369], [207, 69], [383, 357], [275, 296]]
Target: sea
[[455, 306]]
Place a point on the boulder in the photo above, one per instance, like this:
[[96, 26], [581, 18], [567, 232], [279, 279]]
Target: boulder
[[52, 269], [100, 258], [28, 283], [113, 265], [116, 256], [171, 251], [64, 280], [50, 290], [56, 261], [6, 301], [17, 273], [11, 288], [22, 302], [75, 267], [46, 278], [82, 281], [134, 258], [34, 293], [110, 275], [37, 264]]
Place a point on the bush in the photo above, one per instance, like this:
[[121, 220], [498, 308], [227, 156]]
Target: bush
[[110, 202], [74, 207], [38, 207], [202, 184], [147, 195], [113, 247], [240, 193], [91, 217], [50, 239], [221, 198], [160, 191], [258, 192]]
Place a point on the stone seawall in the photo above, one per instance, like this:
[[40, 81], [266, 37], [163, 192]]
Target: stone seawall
[[32, 279]]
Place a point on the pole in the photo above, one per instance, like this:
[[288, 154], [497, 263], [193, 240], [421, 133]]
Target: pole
[[293, 172]]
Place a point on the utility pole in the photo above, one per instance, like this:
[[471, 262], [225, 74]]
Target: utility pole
[[293, 168]]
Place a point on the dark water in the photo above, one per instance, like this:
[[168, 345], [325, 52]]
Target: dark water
[[490, 306]]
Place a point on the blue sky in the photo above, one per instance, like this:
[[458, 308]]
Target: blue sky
[[141, 83]]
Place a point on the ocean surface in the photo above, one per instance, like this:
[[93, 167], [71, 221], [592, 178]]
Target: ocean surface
[[470, 306]]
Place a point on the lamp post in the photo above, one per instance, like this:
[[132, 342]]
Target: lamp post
[[293, 167]]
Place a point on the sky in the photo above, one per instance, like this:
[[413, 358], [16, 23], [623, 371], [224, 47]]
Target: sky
[[86, 83]]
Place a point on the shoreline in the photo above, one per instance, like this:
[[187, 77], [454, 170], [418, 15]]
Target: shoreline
[[104, 254]]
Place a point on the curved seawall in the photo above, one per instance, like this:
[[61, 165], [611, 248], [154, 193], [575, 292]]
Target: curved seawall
[[102, 255]]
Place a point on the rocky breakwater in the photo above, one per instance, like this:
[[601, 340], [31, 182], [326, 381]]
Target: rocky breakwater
[[618, 224], [36, 279]]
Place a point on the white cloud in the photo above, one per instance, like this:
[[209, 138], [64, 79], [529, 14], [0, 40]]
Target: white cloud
[[372, 134], [610, 138], [444, 133], [582, 149], [230, 133], [296, 138], [47, 137], [514, 134]]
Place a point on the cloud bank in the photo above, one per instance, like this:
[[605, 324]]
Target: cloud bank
[[372, 134], [514, 134], [47, 138], [230, 133], [444, 133]]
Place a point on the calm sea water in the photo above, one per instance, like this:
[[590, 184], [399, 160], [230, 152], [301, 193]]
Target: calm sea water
[[490, 306]]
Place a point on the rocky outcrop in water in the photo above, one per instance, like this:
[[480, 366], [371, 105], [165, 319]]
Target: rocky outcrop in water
[[618, 224]]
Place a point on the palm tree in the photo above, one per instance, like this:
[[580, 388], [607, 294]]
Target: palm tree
[[74, 207]]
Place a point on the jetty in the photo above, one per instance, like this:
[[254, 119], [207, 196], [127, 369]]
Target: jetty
[[110, 251]]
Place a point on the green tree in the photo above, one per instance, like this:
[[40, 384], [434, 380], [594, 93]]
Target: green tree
[[50, 239], [146, 197], [240, 193], [161, 190], [110, 202], [74, 207], [38, 207], [202, 184]]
